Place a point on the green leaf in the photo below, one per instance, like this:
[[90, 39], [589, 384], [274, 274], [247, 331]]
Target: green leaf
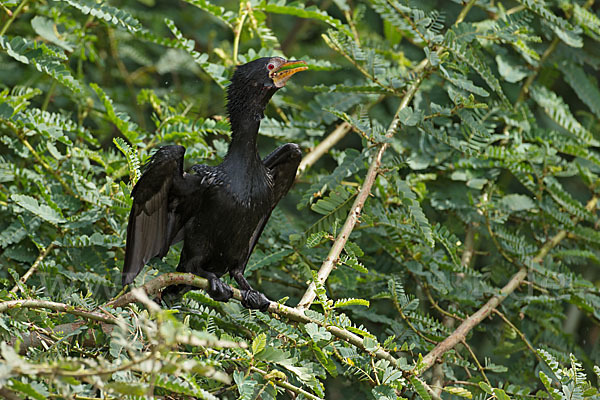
[[133, 161], [259, 343], [419, 387], [485, 387], [351, 302], [352, 163], [511, 72], [129, 389], [560, 26], [28, 390], [48, 30], [588, 20], [44, 59], [298, 9], [458, 391], [114, 16], [215, 71], [500, 394], [245, 386], [317, 332], [420, 221], [585, 88], [559, 111], [121, 120], [517, 202], [41, 210], [370, 344], [324, 359], [384, 393]]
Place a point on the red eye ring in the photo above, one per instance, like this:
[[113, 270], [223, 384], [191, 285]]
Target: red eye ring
[[270, 66]]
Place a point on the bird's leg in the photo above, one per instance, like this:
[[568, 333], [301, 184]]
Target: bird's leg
[[251, 298], [217, 289]]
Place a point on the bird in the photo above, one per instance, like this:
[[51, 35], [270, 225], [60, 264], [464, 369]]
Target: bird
[[218, 211]]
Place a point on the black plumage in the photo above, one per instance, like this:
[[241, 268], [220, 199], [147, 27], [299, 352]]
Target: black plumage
[[218, 211]]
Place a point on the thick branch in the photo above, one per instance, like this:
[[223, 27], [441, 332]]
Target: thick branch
[[153, 287], [175, 278]]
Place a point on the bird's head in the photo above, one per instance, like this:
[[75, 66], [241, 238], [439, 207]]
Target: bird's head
[[254, 83], [269, 72]]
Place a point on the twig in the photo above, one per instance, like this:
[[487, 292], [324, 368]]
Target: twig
[[5, 9], [54, 371], [358, 66], [531, 78], [286, 385], [352, 26], [464, 12], [407, 320], [8, 394], [468, 324], [362, 196], [450, 315], [238, 33], [35, 339], [331, 140], [175, 278], [13, 16], [322, 148], [525, 88], [477, 363], [521, 334], [449, 319], [33, 268], [51, 305]]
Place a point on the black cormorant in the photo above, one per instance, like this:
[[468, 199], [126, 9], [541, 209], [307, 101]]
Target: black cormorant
[[218, 211]]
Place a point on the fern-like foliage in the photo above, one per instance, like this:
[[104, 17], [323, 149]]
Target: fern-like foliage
[[482, 119]]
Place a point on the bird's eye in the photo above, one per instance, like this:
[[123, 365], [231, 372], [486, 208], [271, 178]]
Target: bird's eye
[[270, 66]]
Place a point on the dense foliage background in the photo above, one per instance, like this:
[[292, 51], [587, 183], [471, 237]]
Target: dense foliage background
[[470, 128]]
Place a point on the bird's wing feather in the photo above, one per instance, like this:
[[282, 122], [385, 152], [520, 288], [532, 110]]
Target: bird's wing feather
[[154, 223], [282, 163]]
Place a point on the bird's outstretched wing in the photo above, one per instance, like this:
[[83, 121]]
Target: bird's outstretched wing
[[154, 223]]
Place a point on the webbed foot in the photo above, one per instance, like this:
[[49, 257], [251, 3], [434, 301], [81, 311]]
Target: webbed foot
[[255, 300], [219, 290]]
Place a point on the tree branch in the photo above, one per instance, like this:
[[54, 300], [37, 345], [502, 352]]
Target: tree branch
[[51, 305], [338, 133], [35, 339], [33, 268], [285, 385], [362, 196], [465, 327], [153, 287]]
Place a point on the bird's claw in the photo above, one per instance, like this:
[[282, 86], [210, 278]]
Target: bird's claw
[[255, 300], [219, 290]]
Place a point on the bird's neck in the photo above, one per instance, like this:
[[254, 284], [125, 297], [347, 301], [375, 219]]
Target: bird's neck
[[246, 104], [244, 133], [248, 177]]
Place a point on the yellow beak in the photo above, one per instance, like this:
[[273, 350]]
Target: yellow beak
[[285, 71]]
